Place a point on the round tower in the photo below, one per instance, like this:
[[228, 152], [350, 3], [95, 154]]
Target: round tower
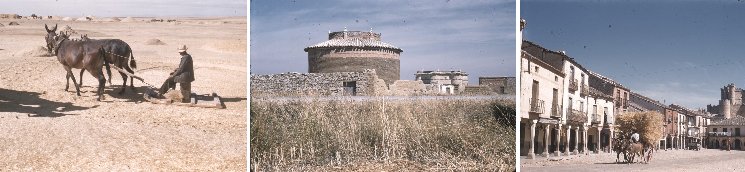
[[726, 108], [732, 90], [355, 51]]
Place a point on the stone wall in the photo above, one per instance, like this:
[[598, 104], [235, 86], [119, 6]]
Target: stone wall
[[409, 88], [500, 85], [321, 84], [365, 83], [387, 68]]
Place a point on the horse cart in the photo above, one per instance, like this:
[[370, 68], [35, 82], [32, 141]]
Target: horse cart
[[694, 146], [205, 101]]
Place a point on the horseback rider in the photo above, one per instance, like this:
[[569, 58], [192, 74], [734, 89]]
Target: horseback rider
[[183, 75], [635, 137]]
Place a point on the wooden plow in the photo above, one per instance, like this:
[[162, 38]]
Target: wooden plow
[[196, 100]]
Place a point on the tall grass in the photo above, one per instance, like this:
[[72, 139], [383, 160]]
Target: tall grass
[[416, 134]]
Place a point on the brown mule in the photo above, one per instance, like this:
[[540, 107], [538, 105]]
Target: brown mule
[[116, 52], [78, 55]]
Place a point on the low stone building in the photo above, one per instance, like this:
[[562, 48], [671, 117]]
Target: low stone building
[[9, 16], [446, 82], [500, 85]]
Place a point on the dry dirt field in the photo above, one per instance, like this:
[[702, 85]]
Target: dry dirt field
[[662, 161], [44, 128]]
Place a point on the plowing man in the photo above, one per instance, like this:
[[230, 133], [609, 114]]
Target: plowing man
[[183, 75]]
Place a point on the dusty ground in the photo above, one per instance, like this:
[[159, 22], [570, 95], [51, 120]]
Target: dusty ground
[[671, 160], [46, 128]]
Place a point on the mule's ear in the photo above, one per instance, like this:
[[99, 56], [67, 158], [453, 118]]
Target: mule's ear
[[55, 28], [46, 27]]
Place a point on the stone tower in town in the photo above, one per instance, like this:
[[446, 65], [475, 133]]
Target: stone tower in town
[[730, 103], [355, 51]]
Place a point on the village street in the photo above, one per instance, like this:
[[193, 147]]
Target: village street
[[671, 160]]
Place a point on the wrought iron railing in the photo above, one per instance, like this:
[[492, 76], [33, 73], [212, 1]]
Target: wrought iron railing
[[584, 91], [536, 105], [596, 118], [573, 85], [555, 110], [620, 102]]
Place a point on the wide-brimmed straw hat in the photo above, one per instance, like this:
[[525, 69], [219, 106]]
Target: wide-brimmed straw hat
[[182, 48]]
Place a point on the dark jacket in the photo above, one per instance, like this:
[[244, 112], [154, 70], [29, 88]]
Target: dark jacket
[[185, 71]]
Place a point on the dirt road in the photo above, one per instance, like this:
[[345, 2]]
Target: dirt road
[[672, 160], [47, 128]]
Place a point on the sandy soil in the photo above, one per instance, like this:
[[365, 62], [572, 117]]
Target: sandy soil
[[671, 160], [46, 128]]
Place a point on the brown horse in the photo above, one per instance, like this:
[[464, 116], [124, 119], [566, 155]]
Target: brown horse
[[79, 55], [117, 52], [634, 149]]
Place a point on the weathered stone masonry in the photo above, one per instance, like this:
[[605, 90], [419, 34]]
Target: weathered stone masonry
[[322, 84], [354, 51]]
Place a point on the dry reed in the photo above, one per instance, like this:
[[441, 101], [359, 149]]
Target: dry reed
[[382, 134]]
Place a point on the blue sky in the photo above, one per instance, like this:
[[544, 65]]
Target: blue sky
[[124, 8], [475, 36], [673, 51]]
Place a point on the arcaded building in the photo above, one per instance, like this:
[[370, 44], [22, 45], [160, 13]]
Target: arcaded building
[[355, 51]]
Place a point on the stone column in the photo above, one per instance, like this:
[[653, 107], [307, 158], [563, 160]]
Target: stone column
[[558, 140], [569, 133], [546, 140], [584, 138], [680, 142], [610, 139], [531, 154], [576, 140], [598, 145]]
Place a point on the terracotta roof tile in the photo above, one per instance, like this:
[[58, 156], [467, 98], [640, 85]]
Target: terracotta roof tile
[[353, 42]]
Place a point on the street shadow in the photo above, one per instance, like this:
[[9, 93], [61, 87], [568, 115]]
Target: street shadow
[[30, 103]]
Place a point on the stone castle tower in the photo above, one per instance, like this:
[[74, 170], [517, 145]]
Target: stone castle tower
[[355, 51], [730, 103]]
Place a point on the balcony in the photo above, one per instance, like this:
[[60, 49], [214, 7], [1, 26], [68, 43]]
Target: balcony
[[536, 105], [555, 111], [573, 86], [621, 102], [585, 91], [596, 118], [577, 116]]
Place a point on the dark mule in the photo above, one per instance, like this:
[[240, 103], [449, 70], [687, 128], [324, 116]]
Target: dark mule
[[117, 52], [79, 55], [618, 147]]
